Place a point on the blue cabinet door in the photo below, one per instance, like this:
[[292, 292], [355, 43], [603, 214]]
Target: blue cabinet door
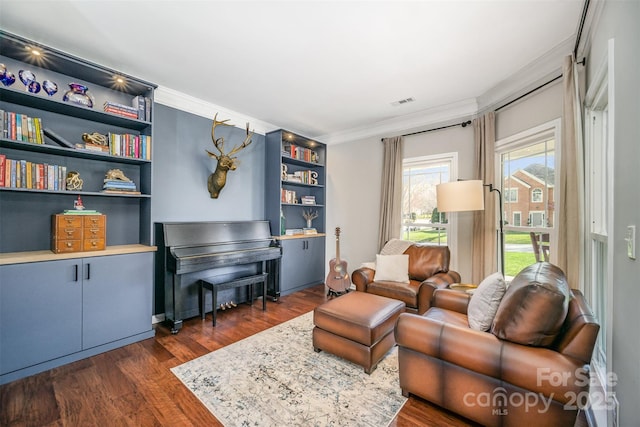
[[117, 298], [40, 312], [302, 263]]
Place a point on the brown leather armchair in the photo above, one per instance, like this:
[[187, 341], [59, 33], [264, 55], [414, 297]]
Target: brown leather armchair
[[428, 271], [494, 381]]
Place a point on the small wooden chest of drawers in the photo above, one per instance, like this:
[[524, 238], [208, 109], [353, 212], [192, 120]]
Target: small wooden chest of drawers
[[78, 233]]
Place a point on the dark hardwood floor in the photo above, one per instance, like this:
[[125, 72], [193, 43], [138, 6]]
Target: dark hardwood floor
[[133, 386]]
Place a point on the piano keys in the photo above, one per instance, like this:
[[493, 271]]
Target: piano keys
[[191, 247]]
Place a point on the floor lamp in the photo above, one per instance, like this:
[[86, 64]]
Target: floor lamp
[[460, 196]]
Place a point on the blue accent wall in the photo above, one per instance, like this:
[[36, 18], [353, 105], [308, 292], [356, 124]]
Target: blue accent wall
[[181, 167]]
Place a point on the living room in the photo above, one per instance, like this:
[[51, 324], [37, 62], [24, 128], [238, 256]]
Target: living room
[[182, 131]]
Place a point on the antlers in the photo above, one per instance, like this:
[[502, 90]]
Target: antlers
[[219, 142]]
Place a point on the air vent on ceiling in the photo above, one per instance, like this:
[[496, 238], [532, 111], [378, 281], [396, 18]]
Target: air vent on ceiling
[[403, 101]]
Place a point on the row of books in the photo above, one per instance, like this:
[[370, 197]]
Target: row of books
[[300, 153], [298, 231], [120, 109], [143, 104], [21, 127], [305, 177], [130, 145], [288, 196], [140, 108], [117, 186], [37, 176], [308, 200]]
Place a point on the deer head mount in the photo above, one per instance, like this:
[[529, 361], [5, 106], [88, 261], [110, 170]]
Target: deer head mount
[[226, 161]]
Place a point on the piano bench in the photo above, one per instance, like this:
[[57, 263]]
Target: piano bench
[[228, 281]]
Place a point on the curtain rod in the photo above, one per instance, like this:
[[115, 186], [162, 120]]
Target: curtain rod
[[580, 28], [575, 55], [528, 93], [463, 124]]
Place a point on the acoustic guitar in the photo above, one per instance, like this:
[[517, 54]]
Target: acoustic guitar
[[338, 280]]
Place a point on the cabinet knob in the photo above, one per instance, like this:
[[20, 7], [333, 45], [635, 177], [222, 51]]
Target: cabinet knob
[[69, 233], [93, 243], [69, 244]]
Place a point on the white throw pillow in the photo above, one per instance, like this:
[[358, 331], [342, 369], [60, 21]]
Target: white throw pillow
[[393, 268], [484, 302]]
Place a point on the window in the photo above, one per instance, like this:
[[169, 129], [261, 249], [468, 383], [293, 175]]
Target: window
[[421, 221], [527, 161], [536, 195], [517, 219], [599, 192], [536, 219], [511, 195]]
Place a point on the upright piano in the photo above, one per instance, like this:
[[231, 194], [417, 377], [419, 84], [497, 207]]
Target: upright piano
[[188, 247]]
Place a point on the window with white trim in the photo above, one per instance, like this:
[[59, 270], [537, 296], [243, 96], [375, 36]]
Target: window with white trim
[[421, 221], [511, 195], [517, 219], [528, 161], [536, 195]]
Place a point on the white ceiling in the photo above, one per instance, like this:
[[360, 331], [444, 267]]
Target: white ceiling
[[324, 69]]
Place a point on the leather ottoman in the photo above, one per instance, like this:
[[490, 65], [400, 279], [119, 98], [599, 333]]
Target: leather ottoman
[[357, 326]]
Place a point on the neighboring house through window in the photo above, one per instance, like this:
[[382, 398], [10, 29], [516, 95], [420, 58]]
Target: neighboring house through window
[[527, 169]]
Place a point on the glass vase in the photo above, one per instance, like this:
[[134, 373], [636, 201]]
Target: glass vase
[[78, 94]]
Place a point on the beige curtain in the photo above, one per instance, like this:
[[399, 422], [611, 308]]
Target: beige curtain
[[485, 247], [391, 194], [570, 215]]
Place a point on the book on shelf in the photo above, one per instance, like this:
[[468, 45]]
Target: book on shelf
[[143, 105], [113, 191], [293, 231], [301, 153], [20, 127], [130, 145], [92, 147], [308, 200], [81, 212], [309, 230], [3, 161], [288, 196], [120, 186], [57, 138], [32, 176]]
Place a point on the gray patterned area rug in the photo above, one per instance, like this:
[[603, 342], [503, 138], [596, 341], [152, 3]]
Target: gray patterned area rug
[[274, 378]]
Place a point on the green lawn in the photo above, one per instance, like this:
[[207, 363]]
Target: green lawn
[[514, 261], [520, 237]]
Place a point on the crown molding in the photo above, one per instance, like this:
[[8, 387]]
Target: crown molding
[[172, 98], [407, 123], [537, 72]]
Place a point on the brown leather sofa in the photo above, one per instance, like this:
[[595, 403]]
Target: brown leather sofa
[[491, 380], [428, 271]]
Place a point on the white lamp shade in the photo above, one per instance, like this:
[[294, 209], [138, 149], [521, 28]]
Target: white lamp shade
[[459, 196]]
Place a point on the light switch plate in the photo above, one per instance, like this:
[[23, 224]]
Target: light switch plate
[[631, 241]]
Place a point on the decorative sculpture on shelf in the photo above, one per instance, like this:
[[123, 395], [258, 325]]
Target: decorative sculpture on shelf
[[95, 138], [314, 178], [77, 204], [309, 216], [116, 174], [74, 182], [226, 162]]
